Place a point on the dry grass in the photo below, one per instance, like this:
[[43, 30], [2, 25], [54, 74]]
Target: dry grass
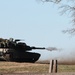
[[66, 68], [14, 67]]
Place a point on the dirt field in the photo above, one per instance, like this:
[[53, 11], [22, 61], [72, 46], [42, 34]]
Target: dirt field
[[7, 68]]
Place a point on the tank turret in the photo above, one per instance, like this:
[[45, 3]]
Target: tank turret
[[14, 44]]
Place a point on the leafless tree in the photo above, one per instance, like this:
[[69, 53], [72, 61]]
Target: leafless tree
[[69, 6]]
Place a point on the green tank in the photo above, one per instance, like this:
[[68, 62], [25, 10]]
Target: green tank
[[15, 50]]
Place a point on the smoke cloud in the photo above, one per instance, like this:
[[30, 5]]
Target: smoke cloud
[[52, 48]]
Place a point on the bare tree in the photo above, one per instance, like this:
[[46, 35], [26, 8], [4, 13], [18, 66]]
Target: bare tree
[[68, 7], [54, 1]]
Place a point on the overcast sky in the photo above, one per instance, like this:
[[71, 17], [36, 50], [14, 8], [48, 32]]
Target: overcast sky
[[39, 24]]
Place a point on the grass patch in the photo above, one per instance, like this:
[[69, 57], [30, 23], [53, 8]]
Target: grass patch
[[66, 68]]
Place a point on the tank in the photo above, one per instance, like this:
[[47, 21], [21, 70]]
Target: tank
[[15, 50]]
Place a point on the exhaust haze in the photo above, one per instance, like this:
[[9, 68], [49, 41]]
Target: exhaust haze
[[63, 56]]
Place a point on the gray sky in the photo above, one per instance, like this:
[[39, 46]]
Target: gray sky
[[39, 24]]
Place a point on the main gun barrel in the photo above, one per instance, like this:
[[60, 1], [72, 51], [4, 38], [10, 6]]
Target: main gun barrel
[[37, 47]]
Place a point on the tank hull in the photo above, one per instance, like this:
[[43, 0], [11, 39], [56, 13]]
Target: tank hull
[[22, 57]]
